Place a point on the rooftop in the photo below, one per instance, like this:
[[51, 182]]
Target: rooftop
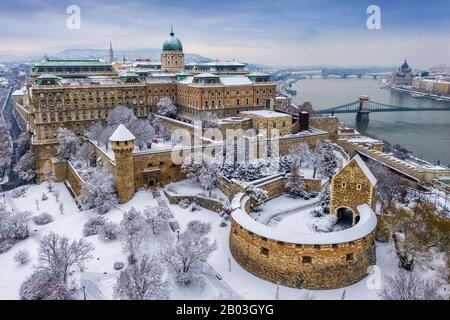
[[72, 63], [121, 134], [266, 113]]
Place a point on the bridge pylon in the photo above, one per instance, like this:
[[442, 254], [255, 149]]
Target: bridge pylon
[[363, 112]]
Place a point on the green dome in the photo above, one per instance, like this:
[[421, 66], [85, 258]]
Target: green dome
[[173, 43]]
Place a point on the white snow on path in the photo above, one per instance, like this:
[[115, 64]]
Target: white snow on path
[[99, 272]]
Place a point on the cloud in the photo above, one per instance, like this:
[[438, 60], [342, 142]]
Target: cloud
[[276, 32]]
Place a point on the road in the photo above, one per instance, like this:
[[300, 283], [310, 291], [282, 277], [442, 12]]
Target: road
[[14, 131], [226, 291]]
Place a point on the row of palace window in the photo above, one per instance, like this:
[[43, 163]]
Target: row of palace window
[[358, 185], [307, 259], [90, 93], [219, 103], [85, 116], [98, 103]]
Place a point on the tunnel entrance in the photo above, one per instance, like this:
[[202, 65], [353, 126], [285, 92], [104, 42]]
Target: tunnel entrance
[[345, 217]]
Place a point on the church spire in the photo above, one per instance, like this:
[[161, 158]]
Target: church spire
[[171, 31], [111, 52]]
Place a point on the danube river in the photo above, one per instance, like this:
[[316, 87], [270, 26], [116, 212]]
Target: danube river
[[426, 134]]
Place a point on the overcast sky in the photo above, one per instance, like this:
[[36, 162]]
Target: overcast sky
[[277, 32]]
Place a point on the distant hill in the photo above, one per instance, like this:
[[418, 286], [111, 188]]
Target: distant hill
[[153, 54]]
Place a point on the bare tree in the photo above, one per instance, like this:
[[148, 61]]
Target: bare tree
[[59, 257], [133, 230], [142, 281], [408, 286], [186, 256], [389, 185]]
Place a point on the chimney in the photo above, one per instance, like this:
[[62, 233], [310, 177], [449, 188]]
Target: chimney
[[303, 119]]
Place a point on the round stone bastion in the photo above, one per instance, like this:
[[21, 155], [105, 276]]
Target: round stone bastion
[[302, 260]]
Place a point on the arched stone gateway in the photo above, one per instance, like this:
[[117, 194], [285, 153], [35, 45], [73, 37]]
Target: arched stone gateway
[[303, 260], [346, 217]]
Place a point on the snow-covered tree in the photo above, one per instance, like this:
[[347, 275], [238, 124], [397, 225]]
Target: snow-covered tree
[[105, 135], [26, 167], [67, 143], [324, 202], [295, 185], [23, 142], [253, 171], [406, 285], [109, 231], [93, 225], [86, 153], [191, 169], [304, 154], [22, 256], [143, 132], [95, 132], [99, 191], [208, 119], [209, 177], [258, 195], [161, 130], [186, 256], [166, 107], [157, 218], [142, 281], [315, 161], [120, 115], [60, 257], [17, 224], [199, 228], [42, 285], [329, 162], [285, 164], [133, 230], [5, 150]]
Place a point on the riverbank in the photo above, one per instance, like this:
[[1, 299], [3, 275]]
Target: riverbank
[[426, 134], [415, 93]]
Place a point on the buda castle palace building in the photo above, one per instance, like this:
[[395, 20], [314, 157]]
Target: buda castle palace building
[[76, 93]]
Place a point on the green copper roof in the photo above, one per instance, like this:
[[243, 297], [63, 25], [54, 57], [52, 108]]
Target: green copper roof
[[173, 43]]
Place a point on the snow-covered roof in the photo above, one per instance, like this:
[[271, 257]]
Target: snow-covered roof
[[121, 134], [363, 139], [364, 168], [206, 75], [365, 226], [235, 81], [266, 113]]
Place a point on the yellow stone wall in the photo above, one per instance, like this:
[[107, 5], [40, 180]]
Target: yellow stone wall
[[344, 190], [124, 170]]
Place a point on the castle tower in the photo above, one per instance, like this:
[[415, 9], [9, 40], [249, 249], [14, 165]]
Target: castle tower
[[352, 186], [122, 142], [172, 56]]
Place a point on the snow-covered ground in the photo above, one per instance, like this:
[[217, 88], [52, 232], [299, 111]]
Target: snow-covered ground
[[187, 188], [99, 275]]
